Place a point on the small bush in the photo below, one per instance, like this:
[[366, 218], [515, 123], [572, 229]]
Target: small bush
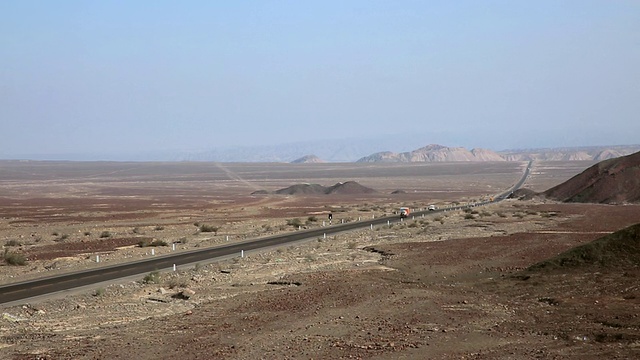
[[55, 233], [294, 222], [311, 219], [105, 234], [154, 242], [183, 240], [352, 245], [14, 258], [209, 229], [159, 228], [87, 233], [413, 224], [136, 230], [177, 283], [502, 215], [469, 217], [99, 292], [152, 278], [12, 243], [64, 237]]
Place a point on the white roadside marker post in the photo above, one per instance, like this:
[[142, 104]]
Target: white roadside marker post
[[97, 258], [174, 267], [241, 253]]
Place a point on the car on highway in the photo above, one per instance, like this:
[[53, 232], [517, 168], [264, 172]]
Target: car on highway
[[432, 208]]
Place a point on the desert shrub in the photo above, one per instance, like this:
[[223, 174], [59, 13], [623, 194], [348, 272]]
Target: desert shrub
[[294, 222], [151, 278], [413, 224], [87, 233], [136, 230], [485, 213], [176, 283], [183, 240], [502, 215], [518, 215], [311, 219], [469, 217], [209, 228], [352, 245], [55, 233], [532, 212], [159, 228], [14, 258], [475, 212], [64, 236], [154, 242], [467, 210], [12, 243], [105, 234], [99, 292]]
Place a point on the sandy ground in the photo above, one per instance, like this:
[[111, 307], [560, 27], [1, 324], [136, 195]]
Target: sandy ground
[[444, 286]]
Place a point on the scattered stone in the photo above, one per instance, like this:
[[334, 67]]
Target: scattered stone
[[185, 294]]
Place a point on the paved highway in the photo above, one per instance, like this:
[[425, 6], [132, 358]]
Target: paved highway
[[27, 289]]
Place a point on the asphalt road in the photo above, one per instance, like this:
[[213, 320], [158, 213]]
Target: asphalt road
[[32, 288]]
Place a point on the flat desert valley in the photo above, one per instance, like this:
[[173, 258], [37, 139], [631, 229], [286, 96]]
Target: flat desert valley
[[452, 285]]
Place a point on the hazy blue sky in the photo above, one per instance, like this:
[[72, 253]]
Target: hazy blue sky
[[127, 76]]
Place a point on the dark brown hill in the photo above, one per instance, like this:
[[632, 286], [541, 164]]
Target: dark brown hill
[[612, 181], [620, 249], [349, 187], [308, 189]]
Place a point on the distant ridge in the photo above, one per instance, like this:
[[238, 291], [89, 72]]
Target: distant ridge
[[349, 188], [440, 153], [587, 153], [612, 181], [435, 153], [308, 159]]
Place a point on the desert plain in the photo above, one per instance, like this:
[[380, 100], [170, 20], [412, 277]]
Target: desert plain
[[453, 285]]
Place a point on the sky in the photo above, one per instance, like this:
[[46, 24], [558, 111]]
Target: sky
[[130, 76]]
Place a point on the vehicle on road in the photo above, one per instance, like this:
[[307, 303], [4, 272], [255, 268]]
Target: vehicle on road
[[432, 208], [404, 212]]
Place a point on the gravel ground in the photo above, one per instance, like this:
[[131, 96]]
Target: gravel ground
[[431, 288]]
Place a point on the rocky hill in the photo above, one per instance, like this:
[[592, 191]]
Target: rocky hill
[[349, 187], [308, 159], [612, 181], [597, 153], [620, 249], [440, 153], [435, 153]]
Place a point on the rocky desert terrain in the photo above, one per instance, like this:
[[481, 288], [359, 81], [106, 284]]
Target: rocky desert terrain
[[466, 284]]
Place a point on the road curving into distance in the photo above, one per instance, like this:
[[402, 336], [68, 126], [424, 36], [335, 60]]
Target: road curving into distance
[[46, 285]]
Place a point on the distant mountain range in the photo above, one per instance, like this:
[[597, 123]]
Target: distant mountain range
[[440, 153]]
